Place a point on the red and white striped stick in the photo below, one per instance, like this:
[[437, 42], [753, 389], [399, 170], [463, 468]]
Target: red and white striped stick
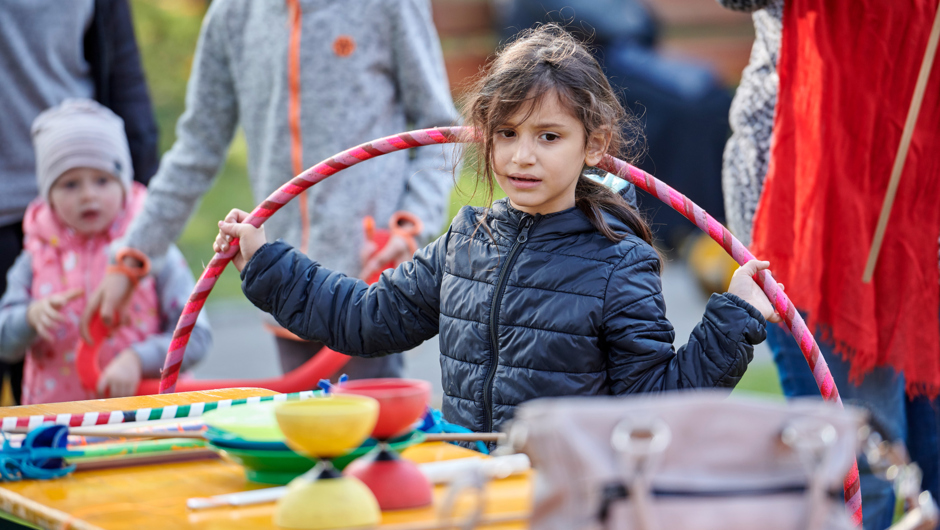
[[445, 135], [192, 410]]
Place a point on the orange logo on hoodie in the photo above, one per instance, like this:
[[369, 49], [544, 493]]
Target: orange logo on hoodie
[[344, 46]]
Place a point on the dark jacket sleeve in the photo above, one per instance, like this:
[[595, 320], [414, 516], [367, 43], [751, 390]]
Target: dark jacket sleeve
[[395, 314], [111, 51], [639, 337]]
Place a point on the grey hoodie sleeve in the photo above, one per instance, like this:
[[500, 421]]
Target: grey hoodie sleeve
[[16, 335], [203, 135], [174, 284], [425, 94]]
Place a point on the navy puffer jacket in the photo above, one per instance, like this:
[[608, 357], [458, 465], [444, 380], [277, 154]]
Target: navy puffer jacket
[[547, 306]]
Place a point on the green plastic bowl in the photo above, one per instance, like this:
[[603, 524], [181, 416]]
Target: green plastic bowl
[[268, 467], [283, 465]]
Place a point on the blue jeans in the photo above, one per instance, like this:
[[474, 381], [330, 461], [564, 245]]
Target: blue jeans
[[881, 392], [923, 425]]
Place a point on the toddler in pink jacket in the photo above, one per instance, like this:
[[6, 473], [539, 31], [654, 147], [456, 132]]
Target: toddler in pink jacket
[[87, 200]]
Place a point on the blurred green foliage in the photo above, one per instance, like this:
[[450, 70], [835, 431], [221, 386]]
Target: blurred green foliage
[[760, 378], [167, 31]]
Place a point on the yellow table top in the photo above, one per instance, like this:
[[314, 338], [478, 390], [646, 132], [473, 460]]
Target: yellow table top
[[155, 496]]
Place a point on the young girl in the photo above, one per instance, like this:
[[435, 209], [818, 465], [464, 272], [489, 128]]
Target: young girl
[[87, 199], [554, 291]]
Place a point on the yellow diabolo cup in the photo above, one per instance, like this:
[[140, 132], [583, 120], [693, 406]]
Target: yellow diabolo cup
[[327, 428]]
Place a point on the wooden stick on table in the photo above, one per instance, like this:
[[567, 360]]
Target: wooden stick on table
[[124, 434], [465, 437]]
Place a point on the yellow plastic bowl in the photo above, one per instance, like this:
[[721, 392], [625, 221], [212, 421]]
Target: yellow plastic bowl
[[327, 427], [327, 503]]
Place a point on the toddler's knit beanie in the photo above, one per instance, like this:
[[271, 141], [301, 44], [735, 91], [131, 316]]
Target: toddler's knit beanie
[[80, 133]]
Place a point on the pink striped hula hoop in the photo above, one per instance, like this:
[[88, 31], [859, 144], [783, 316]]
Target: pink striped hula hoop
[[446, 135]]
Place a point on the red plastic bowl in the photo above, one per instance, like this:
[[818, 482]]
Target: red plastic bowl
[[402, 402], [397, 483]]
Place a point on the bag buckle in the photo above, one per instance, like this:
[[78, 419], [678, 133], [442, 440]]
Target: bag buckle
[[641, 437], [640, 441]]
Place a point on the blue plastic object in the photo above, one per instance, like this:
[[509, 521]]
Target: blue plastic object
[[41, 455], [326, 386], [433, 422]]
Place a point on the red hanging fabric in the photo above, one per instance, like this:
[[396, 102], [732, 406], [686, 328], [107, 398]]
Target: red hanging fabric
[[847, 75]]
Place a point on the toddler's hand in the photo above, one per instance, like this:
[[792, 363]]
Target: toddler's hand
[[122, 375], [401, 246], [45, 315], [396, 251], [108, 300], [744, 286], [250, 238]]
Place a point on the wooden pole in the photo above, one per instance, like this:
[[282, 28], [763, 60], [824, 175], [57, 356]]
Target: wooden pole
[[903, 149], [465, 437], [78, 431]]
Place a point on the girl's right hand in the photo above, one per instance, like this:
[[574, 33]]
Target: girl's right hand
[[250, 238], [45, 315]]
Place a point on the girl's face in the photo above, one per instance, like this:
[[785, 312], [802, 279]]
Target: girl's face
[[87, 200], [538, 158]]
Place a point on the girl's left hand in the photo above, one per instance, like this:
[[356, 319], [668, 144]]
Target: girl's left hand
[[744, 286], [122, 375]]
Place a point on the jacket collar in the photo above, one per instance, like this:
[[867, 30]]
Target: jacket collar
[[568, 222]]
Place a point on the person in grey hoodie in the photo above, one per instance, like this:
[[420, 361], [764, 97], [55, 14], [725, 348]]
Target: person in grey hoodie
[[305, 79]]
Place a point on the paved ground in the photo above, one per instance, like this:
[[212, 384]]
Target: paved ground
[[242, 349]]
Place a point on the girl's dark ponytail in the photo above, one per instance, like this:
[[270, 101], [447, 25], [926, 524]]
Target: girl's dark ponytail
[[594, 199]]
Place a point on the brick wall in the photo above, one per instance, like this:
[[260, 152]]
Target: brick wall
[[699, 29], [467, 37], [704, 30]]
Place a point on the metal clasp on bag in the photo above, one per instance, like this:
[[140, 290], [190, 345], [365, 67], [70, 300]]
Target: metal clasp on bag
[[475, 481], [812, 440], [639, 441], [647, 436], [890, 460]]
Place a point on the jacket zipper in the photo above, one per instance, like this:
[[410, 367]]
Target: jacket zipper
[[527, 223]]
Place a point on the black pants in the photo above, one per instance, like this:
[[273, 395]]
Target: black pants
[[293, 353], [11, 244]]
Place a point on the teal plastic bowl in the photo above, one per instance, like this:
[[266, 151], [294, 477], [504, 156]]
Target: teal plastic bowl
[[280, 466]]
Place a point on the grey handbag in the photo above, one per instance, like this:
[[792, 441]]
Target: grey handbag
[[690, 460]]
